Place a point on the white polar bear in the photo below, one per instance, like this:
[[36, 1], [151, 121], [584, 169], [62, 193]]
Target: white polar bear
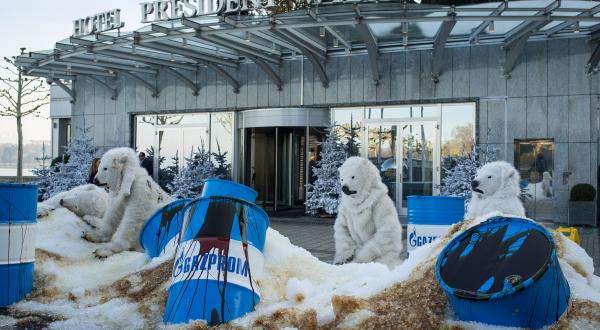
[[134, 197], [367, 226], [495, 188], [87, 199]]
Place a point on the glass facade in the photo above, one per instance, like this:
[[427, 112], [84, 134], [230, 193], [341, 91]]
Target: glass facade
[[424, 136], [170, 139]]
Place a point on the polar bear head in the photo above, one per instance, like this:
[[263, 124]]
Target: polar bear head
[[360, 179], [497, 177], [89, 200], [117, 169]]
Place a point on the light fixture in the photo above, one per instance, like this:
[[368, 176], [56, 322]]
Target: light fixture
[[405, 27], [347, 51], [184, 43], [68, 67], [110, 72], [405, 40], [336, 42], [95, 58], [133, 48], [273, 47], [576, 27], [491, 27], [293, 54], [322, 32], [247, 36]]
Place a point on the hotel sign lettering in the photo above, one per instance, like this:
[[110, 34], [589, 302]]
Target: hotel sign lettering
[[108, 20], [172, 9]]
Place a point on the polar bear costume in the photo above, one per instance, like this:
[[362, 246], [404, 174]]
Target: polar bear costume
[[367, 226], [87, 199], [134, 197], [495, 188]]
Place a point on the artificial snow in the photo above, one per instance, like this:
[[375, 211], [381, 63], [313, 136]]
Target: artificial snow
[[74, 290]]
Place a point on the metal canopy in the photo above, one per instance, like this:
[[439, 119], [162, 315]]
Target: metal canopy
[[322, 31]]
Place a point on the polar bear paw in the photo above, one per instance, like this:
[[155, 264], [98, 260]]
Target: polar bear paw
[[92, 221], [103, 253], [343, 258], [95, 236]]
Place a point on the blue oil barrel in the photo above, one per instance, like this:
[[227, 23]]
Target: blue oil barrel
[[162, 228], [504, 272], [18, 208], [219, 187], [217, 262], [429, 217]]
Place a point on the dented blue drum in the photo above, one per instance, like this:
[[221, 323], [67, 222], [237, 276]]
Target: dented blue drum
[[161, 229], [504, 272], [217, 262]]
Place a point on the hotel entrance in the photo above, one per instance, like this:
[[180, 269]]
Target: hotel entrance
[[277, 160]]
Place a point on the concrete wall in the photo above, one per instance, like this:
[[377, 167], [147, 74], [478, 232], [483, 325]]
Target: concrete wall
[[548, 96]]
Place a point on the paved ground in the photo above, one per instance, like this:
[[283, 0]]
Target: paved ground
[[316, 235]]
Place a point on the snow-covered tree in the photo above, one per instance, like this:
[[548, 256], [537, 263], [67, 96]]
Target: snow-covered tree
[[189, 181], [44, 173], [323, 196], [457, 179], [223, 168], [74, 172]]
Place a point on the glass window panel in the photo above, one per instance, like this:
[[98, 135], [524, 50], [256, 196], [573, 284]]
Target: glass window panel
[[221, 141], [349, 127], [382, 153], [418, 142], [458, 129], [534, 159], [144, 133], [183, 119]]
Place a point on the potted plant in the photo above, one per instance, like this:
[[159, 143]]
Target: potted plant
[[582, 205]]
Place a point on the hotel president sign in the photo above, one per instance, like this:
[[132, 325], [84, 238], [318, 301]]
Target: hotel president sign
[[154, 11], [106, 21]]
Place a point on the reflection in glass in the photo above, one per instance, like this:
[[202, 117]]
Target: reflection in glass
[[144, 133], [418, 141], [349, 126], [221, 142], [382, 151], [534, 159], [168, 155]]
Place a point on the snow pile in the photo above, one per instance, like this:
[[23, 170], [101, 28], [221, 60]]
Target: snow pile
[[74, 290]]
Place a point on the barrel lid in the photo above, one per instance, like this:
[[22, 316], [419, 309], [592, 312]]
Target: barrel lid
[[494, 259]]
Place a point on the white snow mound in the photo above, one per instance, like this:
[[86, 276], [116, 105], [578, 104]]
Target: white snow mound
[[74, 290]]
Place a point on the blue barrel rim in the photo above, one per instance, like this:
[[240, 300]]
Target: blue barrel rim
[[241, 201], [147, 222], [434, 197], [508, 291], [246, 189]]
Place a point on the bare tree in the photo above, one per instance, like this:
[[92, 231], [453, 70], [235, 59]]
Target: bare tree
[[20, 97]]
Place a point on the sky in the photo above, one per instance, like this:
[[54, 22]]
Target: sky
[[38, 25]]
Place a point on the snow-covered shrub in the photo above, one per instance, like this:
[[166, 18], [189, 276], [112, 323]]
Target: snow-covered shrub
[[75, 171], [457, 179], [189, 181], [324, 194]]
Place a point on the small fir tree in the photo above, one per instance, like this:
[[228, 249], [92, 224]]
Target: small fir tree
[[44, 174], [75, 171], [323, 196], [352, 135], [189, 181], [223, 168], [457, 180]]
